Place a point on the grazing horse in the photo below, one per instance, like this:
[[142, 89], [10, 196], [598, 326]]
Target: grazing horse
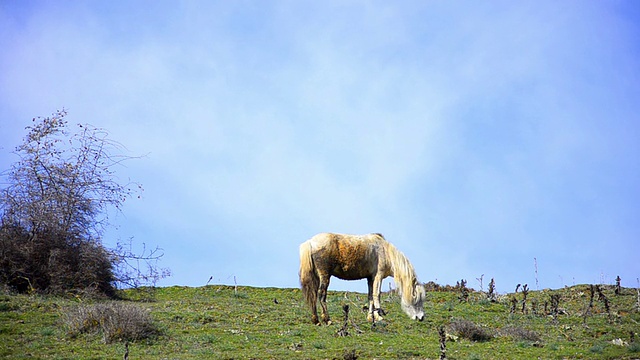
[[353, 257]]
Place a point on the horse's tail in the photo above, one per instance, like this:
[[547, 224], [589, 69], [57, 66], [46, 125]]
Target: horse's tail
[[308, 277]]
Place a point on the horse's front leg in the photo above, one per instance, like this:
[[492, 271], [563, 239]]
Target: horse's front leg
[[322, 295], [377, 311], [371, 307]]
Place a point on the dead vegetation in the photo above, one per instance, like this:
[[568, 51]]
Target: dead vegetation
[[116, 321], [469, 330]]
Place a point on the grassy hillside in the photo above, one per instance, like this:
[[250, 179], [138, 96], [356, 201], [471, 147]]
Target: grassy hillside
[[222, 322]]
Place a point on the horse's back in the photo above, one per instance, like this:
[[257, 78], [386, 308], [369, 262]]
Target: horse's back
[[326, 238], [347, 256]]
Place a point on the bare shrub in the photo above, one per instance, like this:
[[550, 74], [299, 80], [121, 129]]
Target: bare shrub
[[464, 291], [116, 321], [492, 296], [433, 286], [55, 204], [469, 330], [519, 333]]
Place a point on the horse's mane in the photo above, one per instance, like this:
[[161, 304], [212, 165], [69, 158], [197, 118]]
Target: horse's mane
[[403, 273]]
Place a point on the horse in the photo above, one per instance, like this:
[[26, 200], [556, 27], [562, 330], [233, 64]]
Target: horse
[[354, 257]]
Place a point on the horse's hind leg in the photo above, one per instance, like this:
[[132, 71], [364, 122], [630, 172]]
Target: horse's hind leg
[[322, 296], [314, 313]]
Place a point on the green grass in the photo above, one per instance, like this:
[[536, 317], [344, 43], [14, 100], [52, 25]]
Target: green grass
[[222, 323]]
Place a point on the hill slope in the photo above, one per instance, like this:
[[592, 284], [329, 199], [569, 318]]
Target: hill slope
[[223, 322]]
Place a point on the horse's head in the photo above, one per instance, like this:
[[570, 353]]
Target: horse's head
[[412, 305]]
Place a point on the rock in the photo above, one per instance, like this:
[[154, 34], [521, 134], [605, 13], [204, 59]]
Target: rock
[[619, 342]]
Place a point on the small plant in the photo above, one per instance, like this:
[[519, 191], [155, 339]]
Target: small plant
[[319, 345], [519, 333], [116, 321], [448, 306], [350, 355], [240, 295], [597, 348], [469, 330]]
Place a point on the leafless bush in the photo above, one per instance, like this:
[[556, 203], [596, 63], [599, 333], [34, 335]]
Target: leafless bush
[[433, 286], [54, 210], [469, 330], [116, 321], [519, 333], [464, 291]]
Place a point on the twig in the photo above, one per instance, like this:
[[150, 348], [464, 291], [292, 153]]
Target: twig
[[464, 292], [555, 302], [638, 290], [605, 300], [525, 292], [126, 351], [480, 281], [514, 302], [343, 330], [235, 287], [587, 311], [492, 289], [535, 265], [443, 343]]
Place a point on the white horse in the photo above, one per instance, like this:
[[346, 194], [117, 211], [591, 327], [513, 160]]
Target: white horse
[[353, 257]]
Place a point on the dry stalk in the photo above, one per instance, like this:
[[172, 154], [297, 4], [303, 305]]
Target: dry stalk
[[443, 343]]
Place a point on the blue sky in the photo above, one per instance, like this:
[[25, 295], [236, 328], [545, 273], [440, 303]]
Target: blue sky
[[474, 136]]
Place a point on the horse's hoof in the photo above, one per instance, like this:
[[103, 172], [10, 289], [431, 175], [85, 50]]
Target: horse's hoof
[[374, 317]]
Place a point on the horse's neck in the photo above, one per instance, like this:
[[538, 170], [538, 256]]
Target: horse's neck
[[401, 269]]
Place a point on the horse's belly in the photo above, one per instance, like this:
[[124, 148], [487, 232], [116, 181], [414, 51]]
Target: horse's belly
[[348, 273]]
